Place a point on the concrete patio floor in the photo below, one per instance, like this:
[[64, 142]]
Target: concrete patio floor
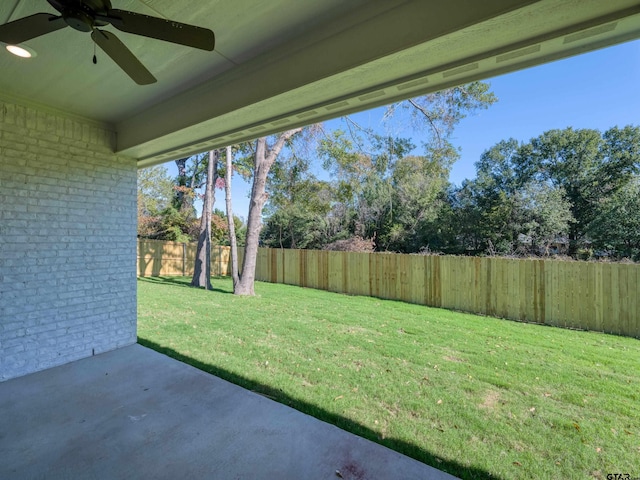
[[135, 413]]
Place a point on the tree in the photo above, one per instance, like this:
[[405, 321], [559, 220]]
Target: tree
[[191, 176], [588, 165], [298, 204], [447, 232], [264, 157], [179, 221], [343, 155], [300, 225], [544, 216], [486, 207], [155, 193], [439, 112], [220, 225], [165, 205], [361, 163], [202, 268], [496, 168], [515, 213], [615, 230], [383, 190], [417, 185], [484, 220], [232, 228], [563, 183]]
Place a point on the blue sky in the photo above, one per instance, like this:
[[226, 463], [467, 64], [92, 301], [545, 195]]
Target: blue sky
[[594, 90]]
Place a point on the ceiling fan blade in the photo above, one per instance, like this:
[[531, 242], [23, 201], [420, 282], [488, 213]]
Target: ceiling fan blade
[[30, 27], [161, 29], [120, 54]]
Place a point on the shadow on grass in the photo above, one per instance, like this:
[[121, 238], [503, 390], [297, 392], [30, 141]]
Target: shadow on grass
[[178, 282], [409, 449]]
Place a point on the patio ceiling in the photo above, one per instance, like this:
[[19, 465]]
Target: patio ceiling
[[285, 63]]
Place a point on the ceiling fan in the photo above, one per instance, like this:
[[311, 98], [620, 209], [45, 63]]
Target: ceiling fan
[[88, 15]]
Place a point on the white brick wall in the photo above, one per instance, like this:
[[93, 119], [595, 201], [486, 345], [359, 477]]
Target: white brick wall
[[67, 241]]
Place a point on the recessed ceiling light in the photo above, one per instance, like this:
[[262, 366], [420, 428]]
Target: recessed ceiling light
[[19, 51]]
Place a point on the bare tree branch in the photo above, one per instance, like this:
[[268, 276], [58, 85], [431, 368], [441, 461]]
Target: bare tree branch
[[428, 117]]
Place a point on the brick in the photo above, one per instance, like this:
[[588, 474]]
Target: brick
[[67, 240]]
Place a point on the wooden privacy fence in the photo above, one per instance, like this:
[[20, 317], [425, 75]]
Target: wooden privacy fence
[[157, 257], [586, 295]]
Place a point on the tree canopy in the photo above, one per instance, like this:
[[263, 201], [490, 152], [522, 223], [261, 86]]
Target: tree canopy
[[566, 191]]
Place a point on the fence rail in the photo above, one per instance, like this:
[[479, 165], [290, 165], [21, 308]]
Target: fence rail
[[586, 295]]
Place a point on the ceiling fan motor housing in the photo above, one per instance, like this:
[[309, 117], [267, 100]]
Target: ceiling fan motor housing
[[81, 14], [78, 20]]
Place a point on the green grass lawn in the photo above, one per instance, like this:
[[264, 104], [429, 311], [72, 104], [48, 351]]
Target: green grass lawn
[[475, 396]]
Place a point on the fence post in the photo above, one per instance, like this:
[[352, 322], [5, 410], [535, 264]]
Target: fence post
[[184, 259]]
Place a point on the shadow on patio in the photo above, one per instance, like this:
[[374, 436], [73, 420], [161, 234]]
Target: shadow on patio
[[410, 449], [134, 413]]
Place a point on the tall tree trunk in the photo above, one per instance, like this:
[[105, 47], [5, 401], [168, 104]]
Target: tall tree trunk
[[182, 199], [264, 159], [202, 268], [232, 225]]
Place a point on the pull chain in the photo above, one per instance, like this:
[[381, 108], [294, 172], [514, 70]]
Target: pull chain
[[95, 59]]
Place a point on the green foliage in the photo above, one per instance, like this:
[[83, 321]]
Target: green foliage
[[166, 208], [545, 215], [192, 172], [502, 213], [155, 194], [298, 205], [495, 171], [588, 165], [176, 226], [220, 229], [530, 197], [155, 190], [616, 227], [381, 190], [416, 196]]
